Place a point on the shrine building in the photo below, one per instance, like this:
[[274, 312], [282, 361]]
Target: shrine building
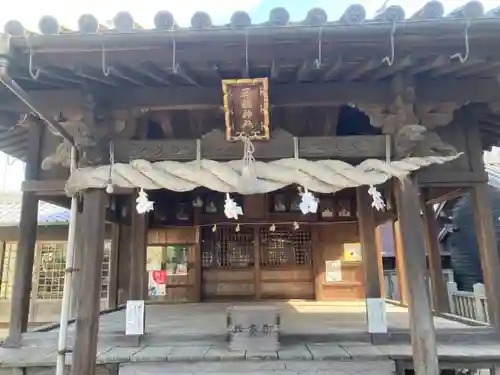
[[254, 162]]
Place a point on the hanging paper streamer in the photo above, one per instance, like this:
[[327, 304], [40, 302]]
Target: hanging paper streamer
[[378, 202], [231, 208], [309, 203], [248, 178], [295, 225], [143, 203], [272, 228]]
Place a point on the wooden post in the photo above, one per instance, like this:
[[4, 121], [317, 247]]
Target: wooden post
[[372, 263], [77, 263], [400, 269], [113, 266], [138, 274], [87, 316], [256, 259], [197, 256], [124, 263], [439, 292], [423, 336], [23, 274], [487, 245]]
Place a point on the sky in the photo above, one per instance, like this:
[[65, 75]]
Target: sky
[[28, 12]]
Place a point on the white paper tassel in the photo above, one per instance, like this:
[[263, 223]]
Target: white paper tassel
[[143, 203], [231, 208], [309, 203], [378, 202]]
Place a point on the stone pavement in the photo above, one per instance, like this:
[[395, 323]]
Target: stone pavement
[[262, 368], [327, 339]]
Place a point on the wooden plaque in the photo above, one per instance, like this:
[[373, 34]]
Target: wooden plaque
[[246, 107]]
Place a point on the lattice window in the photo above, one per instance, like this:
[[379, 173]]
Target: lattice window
[[52, 262], [227, 248], [8, 266], [285, 247], [48, 280]]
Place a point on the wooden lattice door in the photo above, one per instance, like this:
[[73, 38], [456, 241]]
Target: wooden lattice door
[[228, 265]]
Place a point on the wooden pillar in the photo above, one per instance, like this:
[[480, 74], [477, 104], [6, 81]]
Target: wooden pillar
[[257, 262], [439, 292], [487, 245], [77, 263], [113, 266], [138, 275], [423, 336], [400, 269], [23, 274], [124, 263], [372, 263], [87, 316]]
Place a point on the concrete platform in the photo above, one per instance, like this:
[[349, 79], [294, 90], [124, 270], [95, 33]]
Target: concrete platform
[[189, 333]]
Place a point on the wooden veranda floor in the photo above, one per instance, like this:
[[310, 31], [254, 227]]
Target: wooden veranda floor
[[196, 333]]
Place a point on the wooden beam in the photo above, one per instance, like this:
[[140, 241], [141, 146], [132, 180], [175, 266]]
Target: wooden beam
[[423, 335], [297, 94], [438, 195], [215, 147], [455, 66], [50, 188], [439, 291], [23, 274], [487, 245], [398, 66], [89, 297], [362, 69]]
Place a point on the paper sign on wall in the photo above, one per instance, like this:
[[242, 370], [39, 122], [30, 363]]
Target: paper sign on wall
[[134, 318], [333, 271]]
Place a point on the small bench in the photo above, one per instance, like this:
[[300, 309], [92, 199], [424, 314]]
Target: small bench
[[253, 328]]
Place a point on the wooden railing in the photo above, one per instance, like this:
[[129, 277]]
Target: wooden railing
[[470, 305]]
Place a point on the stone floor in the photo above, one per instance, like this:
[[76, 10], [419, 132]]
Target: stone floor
[[189, 333]]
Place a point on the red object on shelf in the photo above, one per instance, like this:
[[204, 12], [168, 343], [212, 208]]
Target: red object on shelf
[[160, 277]]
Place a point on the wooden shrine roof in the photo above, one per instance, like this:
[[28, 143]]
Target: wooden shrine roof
[[169, 62]]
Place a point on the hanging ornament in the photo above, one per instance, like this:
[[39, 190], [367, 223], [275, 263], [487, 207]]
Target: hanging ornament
[[198, 202], [237, 228], [231, 208], [295, 225], [272, 228], [214, 228], [378, 202], [309, 203], [143, 203], [248, 179], [109, 184]]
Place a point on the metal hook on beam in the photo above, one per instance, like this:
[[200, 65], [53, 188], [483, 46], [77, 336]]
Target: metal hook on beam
[[319, 61], [33, 73], [389, 60], [106, 70], [459, 56]]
